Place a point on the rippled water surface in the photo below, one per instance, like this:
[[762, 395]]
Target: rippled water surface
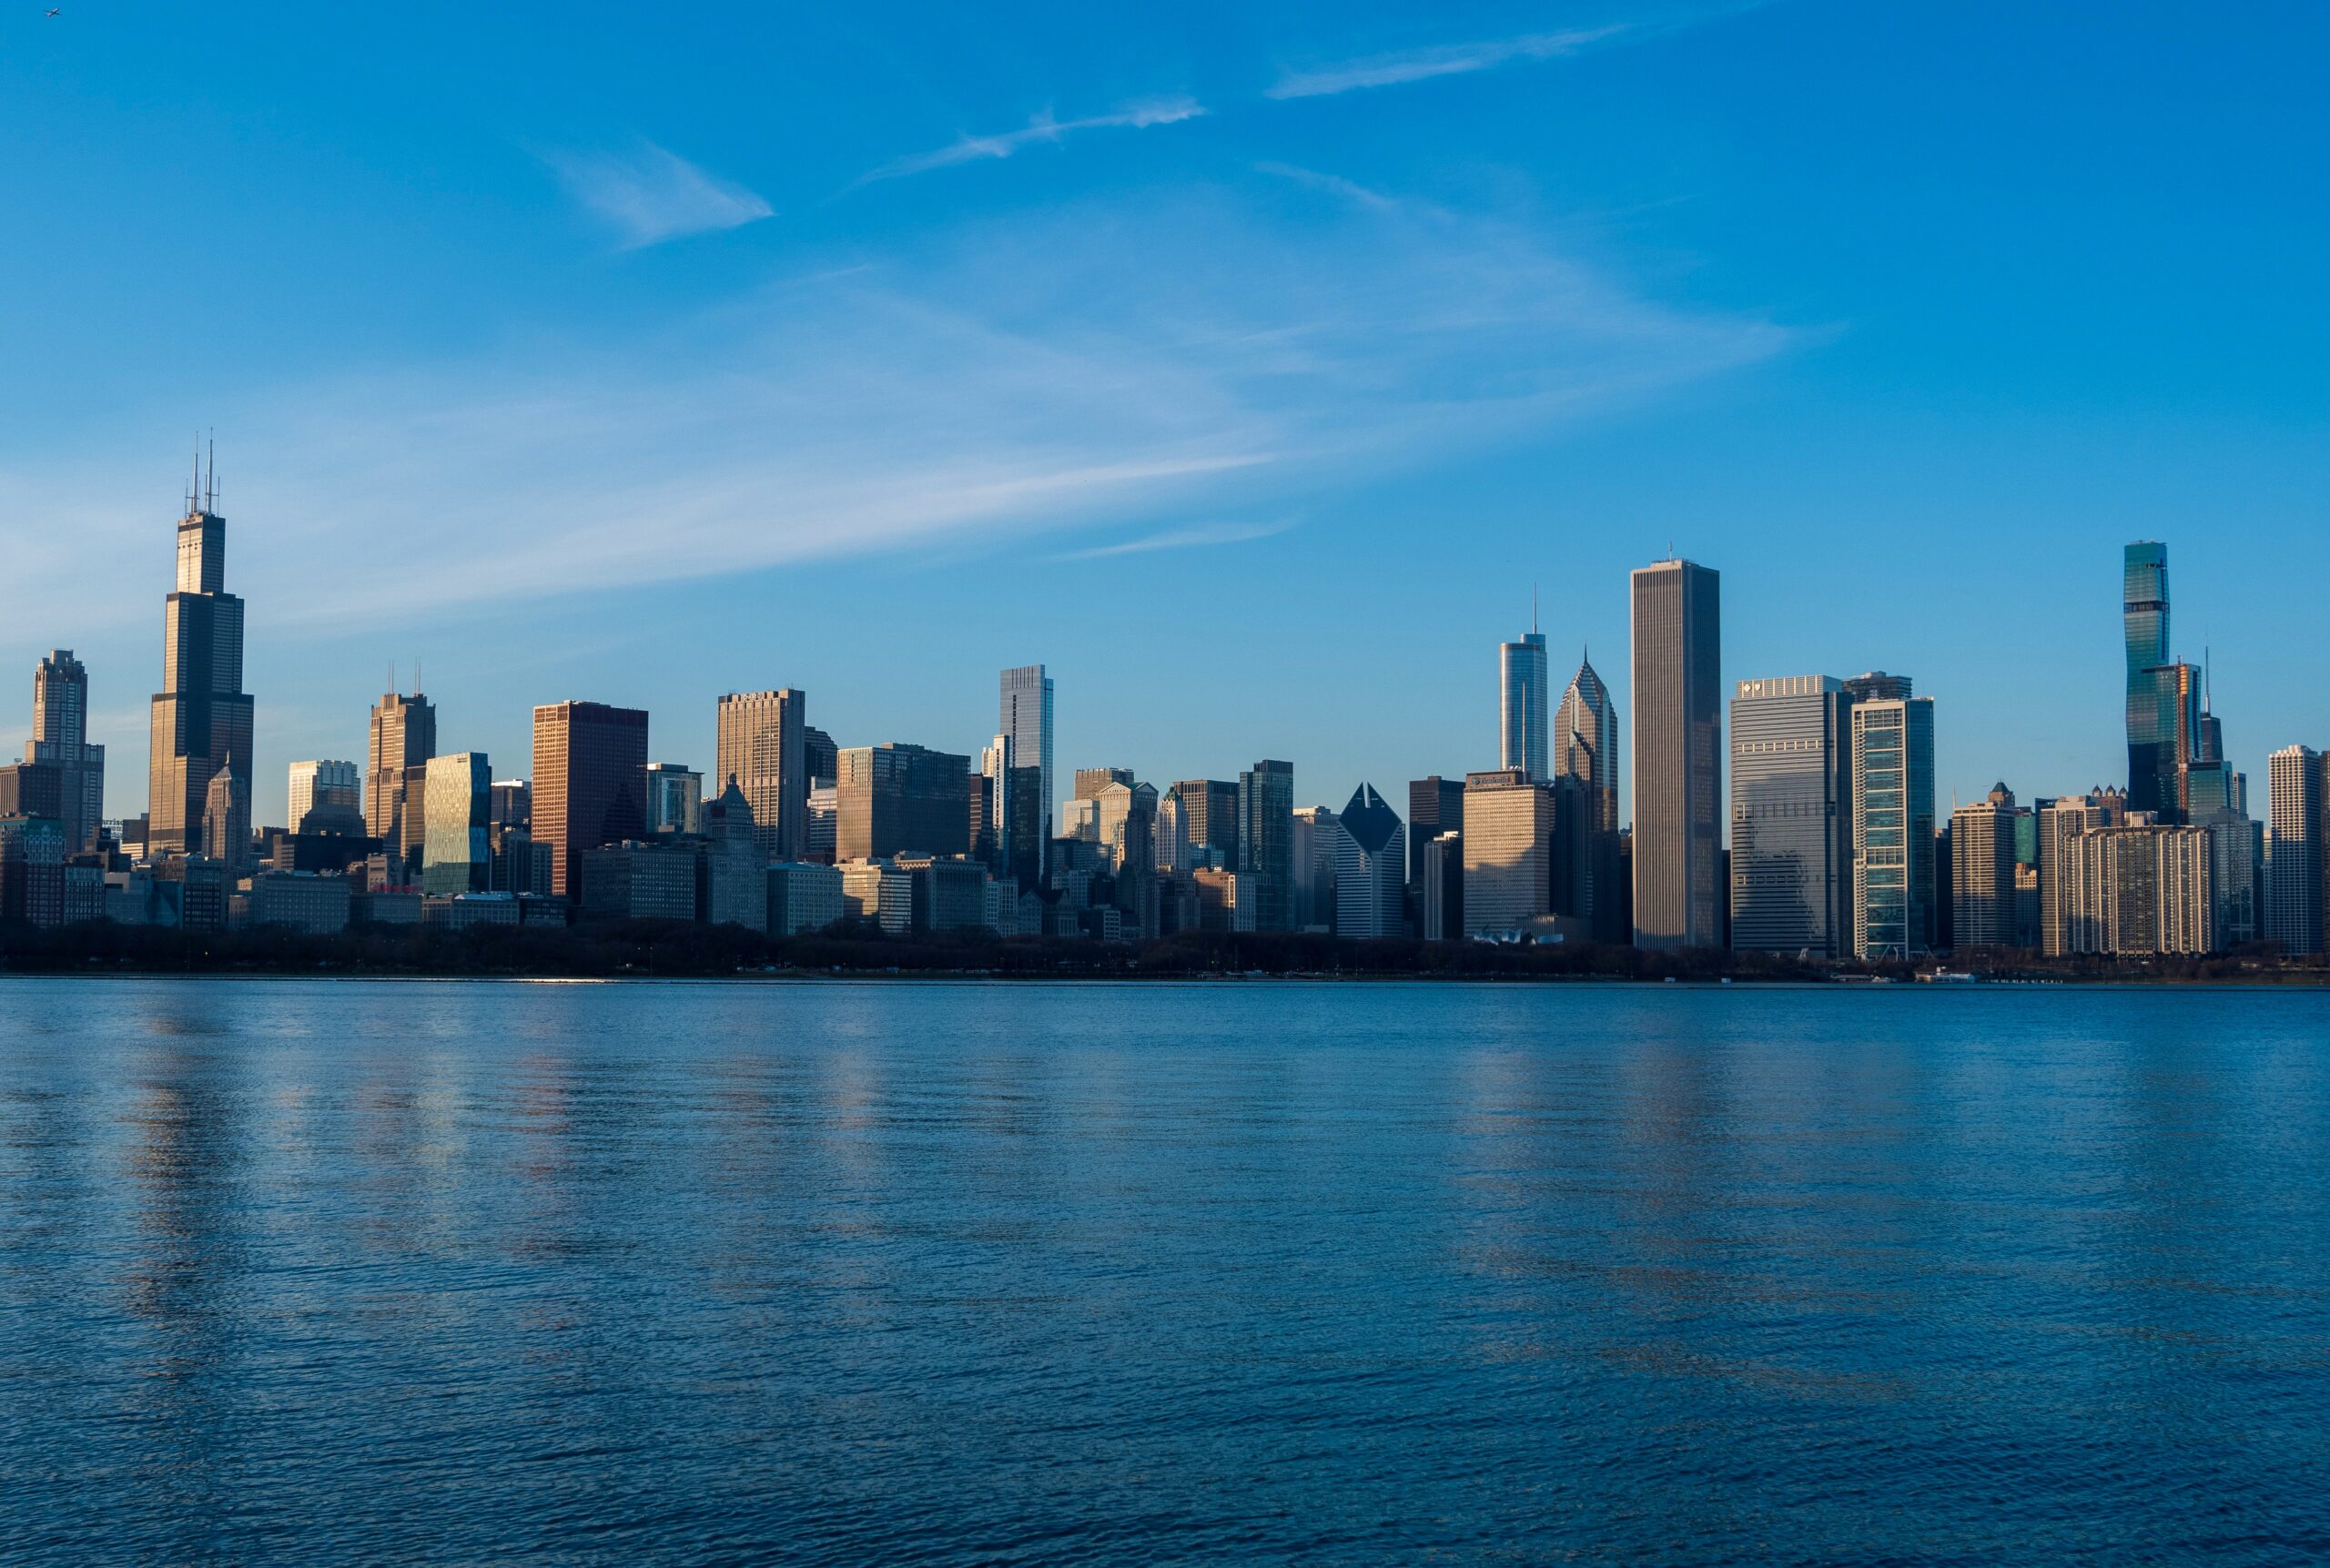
[[847, 1273]]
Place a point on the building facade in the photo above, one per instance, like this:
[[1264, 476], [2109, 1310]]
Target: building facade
[[731, 868], [1266, 841], [1371, 868], [457, 850], [1521, 705], [2058, 821], [801, 896], [1679, 893], [674, 799], [404, 737], [1982, 865], [2139, 887], [1209, 813], [589, 786], [2296, 801], [1585, 750], [325, 784], [763, 744], [1025, 720], [895, 799], [2152, 719], [60, 740], [201, 721], [1508, 852], [1893, 828], [1791, 816]]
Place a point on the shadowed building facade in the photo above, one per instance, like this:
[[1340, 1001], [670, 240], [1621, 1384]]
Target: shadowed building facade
[[1678, 892], [1585, 756], [762, 746], [1371, 868], [590, 784], [1792, 820], [1266, 841]]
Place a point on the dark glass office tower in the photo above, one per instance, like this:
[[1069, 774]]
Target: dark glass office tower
[[1435, 806], [201, 716], [1266, 841], [590, 784], [2152, 684]]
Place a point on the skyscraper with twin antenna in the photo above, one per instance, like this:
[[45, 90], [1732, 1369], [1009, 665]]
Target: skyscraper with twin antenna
[[201, 722]]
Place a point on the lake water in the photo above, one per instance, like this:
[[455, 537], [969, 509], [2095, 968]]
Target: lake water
[[845, 1273]]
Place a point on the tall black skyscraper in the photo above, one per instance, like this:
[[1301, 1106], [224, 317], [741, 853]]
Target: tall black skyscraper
[[201, 716]]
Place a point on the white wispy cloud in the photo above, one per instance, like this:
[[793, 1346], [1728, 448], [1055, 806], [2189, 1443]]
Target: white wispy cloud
[[1041, 127], [1174, 354], [654, 195], [1190, 537], [1443, 60], [1335, 184]]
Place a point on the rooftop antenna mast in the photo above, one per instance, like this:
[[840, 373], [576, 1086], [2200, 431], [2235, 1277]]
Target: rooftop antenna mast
[[210, 488]]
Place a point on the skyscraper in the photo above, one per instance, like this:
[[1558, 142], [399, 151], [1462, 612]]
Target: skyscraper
[[1982, 872], [457, 855], [1266, 841], [590, 784], [894, 799], [2299, 809], [1679, 759], [320, 783], [1026, 716], [764, 747], [1893, 833], [2139, 887], [201, 716], [1317, 853], [1791, 816], [61, 739], [674, 798], [1371, 868], [1435, 806], [1208, 810], [1521, 704], [403, 738], [2061, 820], [1586, 752], [2152, 700], [1507, 851]]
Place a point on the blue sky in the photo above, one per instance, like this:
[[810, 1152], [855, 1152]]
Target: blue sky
[[1245, 364]]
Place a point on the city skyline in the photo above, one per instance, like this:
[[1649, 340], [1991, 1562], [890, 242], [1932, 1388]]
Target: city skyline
[[1133, 378], [2195, 749]]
